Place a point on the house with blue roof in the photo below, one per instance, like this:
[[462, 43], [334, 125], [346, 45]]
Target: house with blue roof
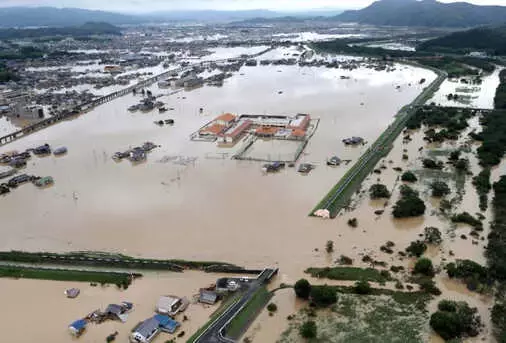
[[78, 327]]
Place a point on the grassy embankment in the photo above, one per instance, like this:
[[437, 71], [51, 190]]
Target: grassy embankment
[[119, 279], [99, 259], [246, 316], [350, 274]]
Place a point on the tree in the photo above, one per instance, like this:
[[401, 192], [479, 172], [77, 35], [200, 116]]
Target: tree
[[409, 207], [455, 320], [362, 287], [432, 164], [329, 247], [409, 177], [424, 266], [432, 235], [272, 307], [416, 248], [454, 155], [439, 189], [407, 191], [378, 191], [308, 329], [302, 289], [323, 296]]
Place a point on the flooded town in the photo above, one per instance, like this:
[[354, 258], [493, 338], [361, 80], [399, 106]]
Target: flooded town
[[251, 177]]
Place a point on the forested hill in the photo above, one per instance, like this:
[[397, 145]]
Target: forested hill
[[489, 39], [426, 13]]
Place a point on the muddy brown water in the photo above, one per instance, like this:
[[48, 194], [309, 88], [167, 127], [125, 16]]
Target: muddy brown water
[[217, 208]]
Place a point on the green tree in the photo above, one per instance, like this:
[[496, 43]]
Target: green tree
[[416, 248], [378, 191], [302, 289], [308, 330], [439, 189], [323, 296], [432, 235], [409, 177], [424, 266], [362, 287], [409, 207]]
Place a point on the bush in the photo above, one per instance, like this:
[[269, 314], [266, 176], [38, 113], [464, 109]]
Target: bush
[[345, 260], [467, 270], [323, 296], [424, 266], [379, 191], [407, 191], [329, 247], [467, 218], [455, 320], [439, 189], [462, 164], [353, 222], [272, 307], [308, 330], [409, 207], [432, 164], [429, 286], [409, 177], [432, 235], [416, 248], [454, 155], [362, 287], [302, 289]]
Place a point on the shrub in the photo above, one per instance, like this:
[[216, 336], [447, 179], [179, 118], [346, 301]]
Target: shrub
[[455, 320], [429, 286], [378, 191], [462, 164], [454, 155], [353, 222], [424, 266], [409, 177], [416, 248], [439, 189], [272, 307], [302, 289], [407, 191], [308, 329], [432, 235], [467, 218], [329, 247], [409, 207], [345, 260], [432, 164], [362, 287], [323, 296], [471, 272]]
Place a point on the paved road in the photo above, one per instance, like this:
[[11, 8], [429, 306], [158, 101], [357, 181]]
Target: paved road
[[215, 332]]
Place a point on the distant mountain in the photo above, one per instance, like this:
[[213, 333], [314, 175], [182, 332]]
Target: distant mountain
[[426, 13], [87, 29], [51, 16], [211, 16], [490, 39]]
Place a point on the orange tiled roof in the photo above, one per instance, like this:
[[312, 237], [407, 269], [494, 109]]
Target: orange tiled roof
[[227, 117], [213, 129], [266, 130], [298, 133]]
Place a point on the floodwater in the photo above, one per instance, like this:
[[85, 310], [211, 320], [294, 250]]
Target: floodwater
[[213, 208], [473, 96], [53, 312]]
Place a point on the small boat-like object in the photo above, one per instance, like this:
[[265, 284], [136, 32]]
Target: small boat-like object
[[118, 156], [273, 167], [72, 292], [60, 151], [162, 109], [133, 108], [353, 140]]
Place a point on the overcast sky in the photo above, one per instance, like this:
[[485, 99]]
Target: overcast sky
[[155, 5]]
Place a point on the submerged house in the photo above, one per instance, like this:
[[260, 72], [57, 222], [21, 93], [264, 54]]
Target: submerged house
[[171, 305], [146, 331]]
